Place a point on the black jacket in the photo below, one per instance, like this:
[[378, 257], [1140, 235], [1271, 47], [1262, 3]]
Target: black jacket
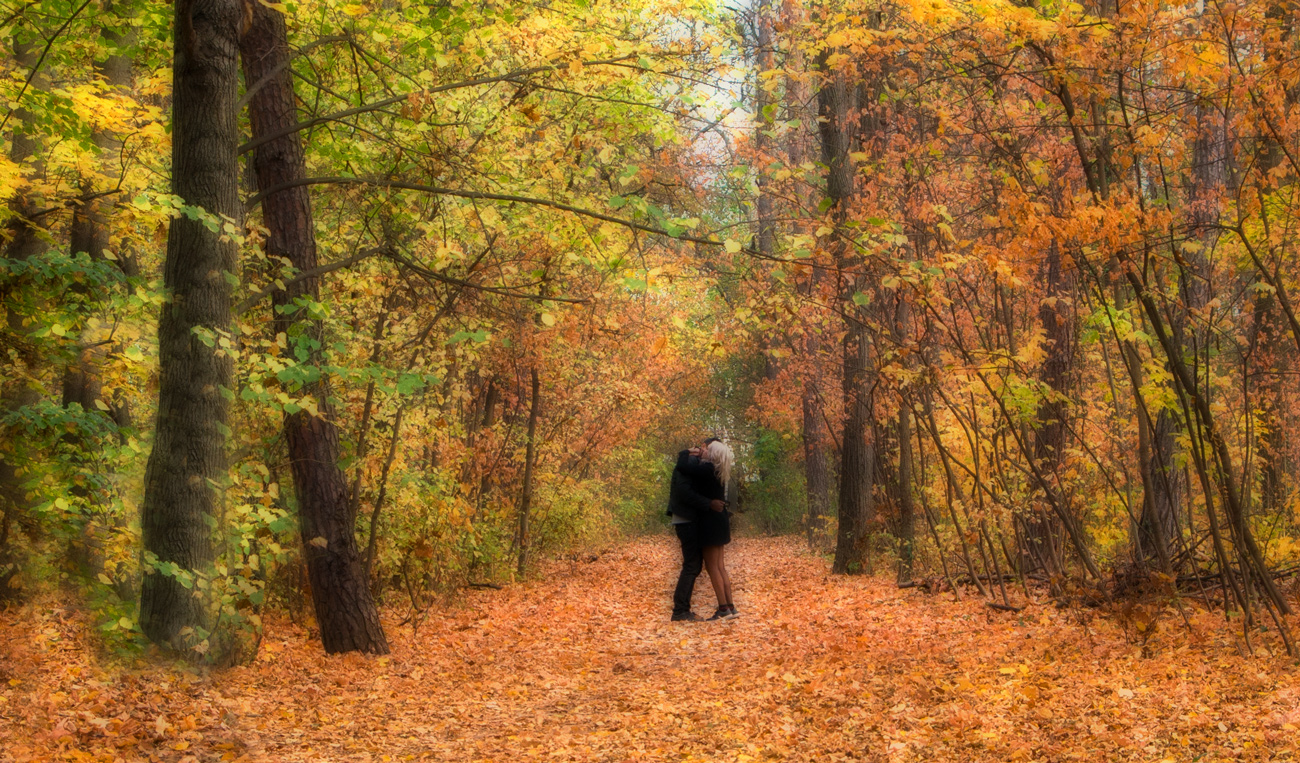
[[684, 498], [702, 477]]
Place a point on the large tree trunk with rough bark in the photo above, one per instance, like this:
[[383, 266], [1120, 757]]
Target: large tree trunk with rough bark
[[345, 609], [188, 464], [857, 454]]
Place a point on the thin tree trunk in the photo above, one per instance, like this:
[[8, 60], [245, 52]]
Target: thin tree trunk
[[89, 233], [1230, 494], [24, 243], [188, 462], [530, 461], [816, 467], [764, 60], [816, 464], [345, 609], [1057, 319], [367, 411], [905, 529], [372, 542]]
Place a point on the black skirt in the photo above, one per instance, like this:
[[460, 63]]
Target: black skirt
[[715, 528]]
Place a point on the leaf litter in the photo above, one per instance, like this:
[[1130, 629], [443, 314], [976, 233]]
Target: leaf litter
[[582, 664]]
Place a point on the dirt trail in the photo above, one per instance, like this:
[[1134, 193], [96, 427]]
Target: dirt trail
[[583, 665]]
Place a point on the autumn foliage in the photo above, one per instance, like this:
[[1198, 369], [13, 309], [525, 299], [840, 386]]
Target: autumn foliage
[[349, 325]]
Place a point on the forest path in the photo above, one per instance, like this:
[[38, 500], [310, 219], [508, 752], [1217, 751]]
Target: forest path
[[582, 664]]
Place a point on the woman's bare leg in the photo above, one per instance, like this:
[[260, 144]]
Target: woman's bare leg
[[726, 576], [713, 563]]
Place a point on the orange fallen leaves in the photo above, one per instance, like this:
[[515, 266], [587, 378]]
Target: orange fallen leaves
[[582, 665]]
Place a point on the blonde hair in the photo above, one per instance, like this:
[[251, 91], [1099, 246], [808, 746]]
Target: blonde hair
[[722, 459]]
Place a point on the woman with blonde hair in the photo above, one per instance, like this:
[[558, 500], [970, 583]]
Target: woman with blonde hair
[[715, 526]]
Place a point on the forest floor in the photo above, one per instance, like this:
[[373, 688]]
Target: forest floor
[[582, 664]]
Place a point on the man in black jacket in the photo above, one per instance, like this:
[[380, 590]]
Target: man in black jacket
[[685, 506]]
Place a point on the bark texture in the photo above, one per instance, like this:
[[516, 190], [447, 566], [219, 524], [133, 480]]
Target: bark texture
[[88, 233], [816, 435], [530, 463], [857, 454], [345, 609], [24, 243], [188, 460], [1056, 317]]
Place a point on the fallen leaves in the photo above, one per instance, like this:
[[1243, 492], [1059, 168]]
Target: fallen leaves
[[583, 665]]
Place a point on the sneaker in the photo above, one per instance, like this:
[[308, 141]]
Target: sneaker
[[687, 617], [722, 613], [731, 611]]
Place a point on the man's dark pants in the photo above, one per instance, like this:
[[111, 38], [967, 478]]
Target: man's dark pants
[[692, 564]]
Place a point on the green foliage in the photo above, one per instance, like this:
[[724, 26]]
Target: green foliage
[[454, 296], [772, 484], [638, 488]]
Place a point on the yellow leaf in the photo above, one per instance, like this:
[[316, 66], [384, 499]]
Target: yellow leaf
[[355, 10], [548, 319]]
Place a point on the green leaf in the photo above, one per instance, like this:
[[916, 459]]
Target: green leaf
[[409, 384]]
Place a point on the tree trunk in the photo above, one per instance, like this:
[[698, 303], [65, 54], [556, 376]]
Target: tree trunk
[[816, 469], [1269, 348], [530, 461], [23, 244], [1056, 317], [188, 462], [857, 454], [345, 609], [905, 529], [764, 60], [816, 437], [88, 233]]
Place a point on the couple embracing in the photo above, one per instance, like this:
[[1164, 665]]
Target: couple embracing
[[697, 503]]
